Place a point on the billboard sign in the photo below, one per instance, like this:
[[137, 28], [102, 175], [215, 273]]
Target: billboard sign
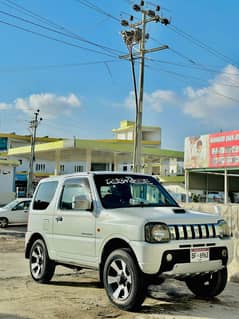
[[196, 152], [219, 150], [224, 149]]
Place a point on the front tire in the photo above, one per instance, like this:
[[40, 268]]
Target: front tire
[[209, 285], [124, 283], [41, 267], [3, 222]]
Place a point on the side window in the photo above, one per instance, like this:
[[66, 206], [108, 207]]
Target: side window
[[19, 206], [22, 206], [73, 188], [26, 205], [44, 195]]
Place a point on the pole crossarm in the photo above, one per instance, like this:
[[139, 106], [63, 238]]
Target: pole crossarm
[[137, 54]]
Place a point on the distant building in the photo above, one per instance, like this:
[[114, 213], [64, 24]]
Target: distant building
[[211, 165], [151, 135], [62, 156]]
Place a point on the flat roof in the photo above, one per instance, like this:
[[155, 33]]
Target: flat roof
[[77, 146]]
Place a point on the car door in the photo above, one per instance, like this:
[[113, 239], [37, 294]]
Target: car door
[[74, 229], [20, 212]]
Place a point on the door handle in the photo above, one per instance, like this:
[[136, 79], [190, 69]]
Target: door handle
[[59, 218]]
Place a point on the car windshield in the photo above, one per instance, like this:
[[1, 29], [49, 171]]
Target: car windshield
[[11, 204], [118, 191]]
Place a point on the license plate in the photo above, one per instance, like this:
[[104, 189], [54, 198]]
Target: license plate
[[199, 254]]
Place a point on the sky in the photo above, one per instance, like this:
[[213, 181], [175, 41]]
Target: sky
[[62, 57]]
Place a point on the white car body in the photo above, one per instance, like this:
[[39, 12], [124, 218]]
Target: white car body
[[15, 212], [86, 235]]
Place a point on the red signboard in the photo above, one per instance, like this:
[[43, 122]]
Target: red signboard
[[224, 149]]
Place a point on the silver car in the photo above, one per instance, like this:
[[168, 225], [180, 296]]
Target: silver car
[[15, 212]]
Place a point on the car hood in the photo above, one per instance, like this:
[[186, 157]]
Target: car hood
[[167, 215], [3, 210]]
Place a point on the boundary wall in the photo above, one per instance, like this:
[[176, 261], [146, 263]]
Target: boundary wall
[[230, 213]]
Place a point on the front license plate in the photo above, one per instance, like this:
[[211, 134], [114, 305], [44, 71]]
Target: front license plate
[[199, 254]]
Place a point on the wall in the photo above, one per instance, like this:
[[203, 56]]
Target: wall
[[6, 184], [230, 213]]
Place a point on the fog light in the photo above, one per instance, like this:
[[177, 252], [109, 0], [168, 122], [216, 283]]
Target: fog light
[[169, 257], [224, 253]]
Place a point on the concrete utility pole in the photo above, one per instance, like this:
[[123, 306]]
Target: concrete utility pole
[[132, 37], [33, 127]]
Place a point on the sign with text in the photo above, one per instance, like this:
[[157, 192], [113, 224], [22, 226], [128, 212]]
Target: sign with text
[[219, 150], [224, 149]]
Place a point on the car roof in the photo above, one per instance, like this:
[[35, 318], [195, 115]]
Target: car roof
[[21, 199], [92, 173]]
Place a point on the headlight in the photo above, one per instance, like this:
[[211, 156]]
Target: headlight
[[222, 229], [157, 233]]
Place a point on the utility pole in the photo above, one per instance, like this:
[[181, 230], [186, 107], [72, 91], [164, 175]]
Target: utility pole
[[132, 37], [33, 127]]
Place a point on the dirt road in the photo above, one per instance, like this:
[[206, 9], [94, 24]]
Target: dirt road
[[73, 295]]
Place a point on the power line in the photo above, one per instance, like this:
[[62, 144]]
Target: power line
[[183, 77], [201, 44], [198, 68], [97, 9], [55, 39], [66, 34], [53, 66], [192, 63]]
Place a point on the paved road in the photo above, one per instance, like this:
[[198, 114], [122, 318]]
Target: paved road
[[14, 230]]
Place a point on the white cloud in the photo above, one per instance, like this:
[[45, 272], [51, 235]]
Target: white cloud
[[154, 101], [216, 104], [220, 97], [5, 106], [50, 105]]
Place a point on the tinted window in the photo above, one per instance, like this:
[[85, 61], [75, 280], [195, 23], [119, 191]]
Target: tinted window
[[73, 188], [44, 195], [22, 205]]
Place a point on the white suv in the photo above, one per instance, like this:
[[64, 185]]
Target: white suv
[[128, 228]]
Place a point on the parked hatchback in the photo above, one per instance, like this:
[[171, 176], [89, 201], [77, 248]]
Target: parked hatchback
[[15, 212]]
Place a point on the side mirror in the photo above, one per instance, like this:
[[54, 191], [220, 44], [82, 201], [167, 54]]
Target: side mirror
[[81, 202]]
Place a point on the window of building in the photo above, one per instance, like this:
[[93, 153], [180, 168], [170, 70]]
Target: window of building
[[78, 168], [44, 195], [40, 167]]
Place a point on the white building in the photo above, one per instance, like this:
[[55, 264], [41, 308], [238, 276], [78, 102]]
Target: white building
[[59, 156]]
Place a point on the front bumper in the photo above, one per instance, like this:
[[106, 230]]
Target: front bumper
[[152, 258]]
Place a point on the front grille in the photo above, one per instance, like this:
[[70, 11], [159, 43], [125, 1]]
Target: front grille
[[179, 232]]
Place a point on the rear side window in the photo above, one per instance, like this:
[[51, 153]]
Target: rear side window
[[44, 195]]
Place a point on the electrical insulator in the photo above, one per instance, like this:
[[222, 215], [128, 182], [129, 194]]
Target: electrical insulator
[[142, 3], [165, 21], [138, 35], [157, 8], [131, 18], [124, 23], [136, 7], [151, 13]]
